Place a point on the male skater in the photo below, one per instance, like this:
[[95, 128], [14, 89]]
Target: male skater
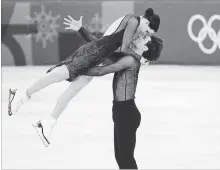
[[126, 116]]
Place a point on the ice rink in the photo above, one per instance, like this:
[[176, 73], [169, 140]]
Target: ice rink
[[180, 124]]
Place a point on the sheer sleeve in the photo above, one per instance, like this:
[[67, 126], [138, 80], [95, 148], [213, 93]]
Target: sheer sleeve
[[87, 35]]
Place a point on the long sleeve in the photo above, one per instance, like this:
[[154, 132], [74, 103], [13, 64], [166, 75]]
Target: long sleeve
[[87, 35], [121, 64]]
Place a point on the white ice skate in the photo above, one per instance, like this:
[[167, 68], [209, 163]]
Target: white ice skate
[[16, 99], [44, 128]]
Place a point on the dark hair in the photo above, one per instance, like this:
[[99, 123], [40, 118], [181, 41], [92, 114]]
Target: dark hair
[[153, 18], [155, 47]]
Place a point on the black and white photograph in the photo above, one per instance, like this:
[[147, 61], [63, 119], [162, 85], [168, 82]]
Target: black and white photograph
[[95, 84]]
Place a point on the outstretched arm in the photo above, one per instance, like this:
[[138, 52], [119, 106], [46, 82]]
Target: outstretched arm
[[121, 64], [74, 25], [77, 26], [128, 37], [88, 36]]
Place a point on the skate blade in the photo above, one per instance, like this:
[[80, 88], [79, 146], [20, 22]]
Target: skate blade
[[39, 129], [10, 99]]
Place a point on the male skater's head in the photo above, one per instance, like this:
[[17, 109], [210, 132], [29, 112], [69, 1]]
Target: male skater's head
[[148, 47]]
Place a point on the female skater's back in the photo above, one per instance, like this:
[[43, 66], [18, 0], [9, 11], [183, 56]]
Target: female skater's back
[[94, 52]]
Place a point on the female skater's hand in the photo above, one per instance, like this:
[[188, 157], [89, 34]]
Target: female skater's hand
[[73, 24]]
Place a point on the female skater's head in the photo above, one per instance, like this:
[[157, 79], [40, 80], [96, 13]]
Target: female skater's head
[[149, 22]]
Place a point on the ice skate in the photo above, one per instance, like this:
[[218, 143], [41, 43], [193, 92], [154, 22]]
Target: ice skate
[[44, 128], [16, 99]]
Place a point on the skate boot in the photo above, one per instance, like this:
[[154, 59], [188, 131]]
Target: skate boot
[[16, 99], [44, 128]]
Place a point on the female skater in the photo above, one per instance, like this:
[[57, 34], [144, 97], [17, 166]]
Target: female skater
[[90, 55]]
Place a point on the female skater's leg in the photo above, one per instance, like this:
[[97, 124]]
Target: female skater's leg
[[58, 74], [18, 97], [47, 124], [74, 88]]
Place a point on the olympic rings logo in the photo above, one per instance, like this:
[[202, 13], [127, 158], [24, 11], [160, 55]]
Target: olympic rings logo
[[207, 30]]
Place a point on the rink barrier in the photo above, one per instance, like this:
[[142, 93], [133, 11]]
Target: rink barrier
[[190, 29]]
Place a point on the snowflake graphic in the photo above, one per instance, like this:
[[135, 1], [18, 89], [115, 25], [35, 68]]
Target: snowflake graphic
[[95, 25], [46, 26]]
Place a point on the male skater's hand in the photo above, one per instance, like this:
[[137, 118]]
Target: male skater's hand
[[72, 23]]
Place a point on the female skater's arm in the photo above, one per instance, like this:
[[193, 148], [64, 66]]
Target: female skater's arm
[[77, 26], [128, 37], [121, 64], [88, 36]]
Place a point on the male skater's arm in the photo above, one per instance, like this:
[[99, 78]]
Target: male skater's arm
[[128, 37], [122, 64]]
